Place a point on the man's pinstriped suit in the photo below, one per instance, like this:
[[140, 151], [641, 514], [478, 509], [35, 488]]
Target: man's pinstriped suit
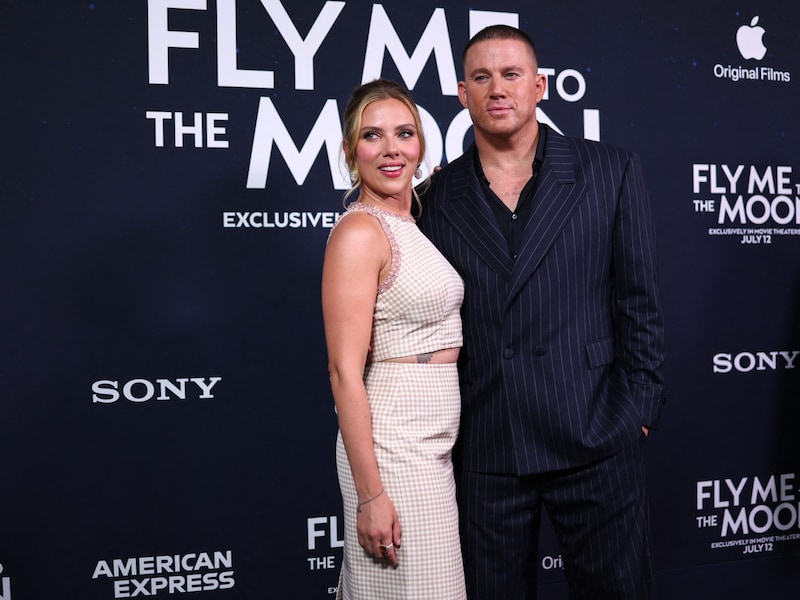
[[563, 345]]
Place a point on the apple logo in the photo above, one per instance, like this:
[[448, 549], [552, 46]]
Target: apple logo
[[748, 39]]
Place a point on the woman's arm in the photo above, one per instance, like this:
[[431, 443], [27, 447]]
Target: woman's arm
[[357, 258]]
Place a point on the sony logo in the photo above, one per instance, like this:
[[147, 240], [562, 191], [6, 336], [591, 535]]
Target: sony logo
[[108, 391], [758, 361]]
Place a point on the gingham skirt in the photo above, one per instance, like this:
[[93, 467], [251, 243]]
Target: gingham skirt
[[415, 416]]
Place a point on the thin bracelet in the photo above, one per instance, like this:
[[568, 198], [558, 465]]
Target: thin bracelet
[[360, 504]]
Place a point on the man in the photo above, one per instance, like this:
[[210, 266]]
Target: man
[[563, 337]]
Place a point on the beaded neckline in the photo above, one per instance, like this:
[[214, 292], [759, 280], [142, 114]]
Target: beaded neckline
[[372, 208]]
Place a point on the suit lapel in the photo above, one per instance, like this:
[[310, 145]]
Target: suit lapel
[[556, 198], [468, 211]]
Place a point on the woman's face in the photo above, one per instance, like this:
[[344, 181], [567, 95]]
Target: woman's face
[[388, 150]]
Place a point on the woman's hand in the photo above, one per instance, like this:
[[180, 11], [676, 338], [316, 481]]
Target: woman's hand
[[379, 528]]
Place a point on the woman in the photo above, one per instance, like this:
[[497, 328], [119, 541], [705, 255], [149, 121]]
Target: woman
[[391, 307]]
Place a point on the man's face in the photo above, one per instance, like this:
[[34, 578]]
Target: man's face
[[501, 87]]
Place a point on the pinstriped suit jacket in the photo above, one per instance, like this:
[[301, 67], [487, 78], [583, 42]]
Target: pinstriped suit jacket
[[563, 347]]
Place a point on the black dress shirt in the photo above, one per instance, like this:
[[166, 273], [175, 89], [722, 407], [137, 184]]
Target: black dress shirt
[[512, 223]]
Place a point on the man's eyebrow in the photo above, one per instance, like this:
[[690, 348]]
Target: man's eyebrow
[[478, 70], [506, 69]]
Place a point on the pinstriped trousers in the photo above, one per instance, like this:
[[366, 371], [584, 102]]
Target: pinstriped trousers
[[599, 515]]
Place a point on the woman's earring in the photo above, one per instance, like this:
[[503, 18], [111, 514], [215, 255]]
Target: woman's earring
[[418, 173]]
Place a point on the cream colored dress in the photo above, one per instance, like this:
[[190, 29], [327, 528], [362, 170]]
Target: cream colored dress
[[415, 417]]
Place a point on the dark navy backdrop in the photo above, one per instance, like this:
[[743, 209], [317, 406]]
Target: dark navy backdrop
[[167, 425]]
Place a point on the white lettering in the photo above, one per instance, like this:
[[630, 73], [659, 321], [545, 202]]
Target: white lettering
[[212, 130], [703, 492], [754, 526], [259, 220], [149, 388], [785, 525], [761, 492], [155, 565], [332, 532], [698, 176], [728, 523], [562, 91], [745, 362], [201, 383], [454, 139], [784, 180], [736, 491], [433, 142], [742, 366], [195, 129], [722, 363], [591, 124], [313, 532], [758, 210], [160, 38], [435, 40], [107, 391], [761, 182], [179, 390], [732, 177], [327, 131], [787, 486], [102, 569], [159, 117], [228, 73], [304, 50]]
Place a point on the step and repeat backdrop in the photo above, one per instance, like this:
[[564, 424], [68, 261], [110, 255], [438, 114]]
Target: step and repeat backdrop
[[171, 173]]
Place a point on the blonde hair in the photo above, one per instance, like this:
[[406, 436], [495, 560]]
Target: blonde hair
[[363, 96]]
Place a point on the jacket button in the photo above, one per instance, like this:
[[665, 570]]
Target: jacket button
[[508, 353], [540, 351]]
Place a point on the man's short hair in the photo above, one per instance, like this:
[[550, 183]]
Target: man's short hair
[[501, 32]]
